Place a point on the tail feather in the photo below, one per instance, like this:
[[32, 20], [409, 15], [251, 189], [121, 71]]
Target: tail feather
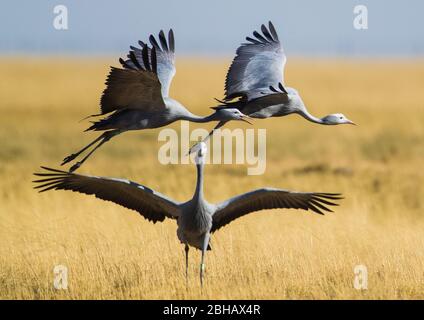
[[102, 124], [91, 116], [230, 104]]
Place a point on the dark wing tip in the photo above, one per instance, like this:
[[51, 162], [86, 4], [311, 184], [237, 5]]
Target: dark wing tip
[[259, 37], [145, 56], [266, 33], [162, 40], [124, 64], [171, 40], [318, 204], [272, 89], [135, 61], [153, 60], [280, 85], [153, 41], [273, 31], [334, 196], [51, 180], [315, 209], [254, 41]]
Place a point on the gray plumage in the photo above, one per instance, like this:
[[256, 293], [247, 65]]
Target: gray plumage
[[137, 96], [255, 82], [197, 219], [258, 64]]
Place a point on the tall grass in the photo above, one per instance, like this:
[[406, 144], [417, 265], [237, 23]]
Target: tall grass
[[114, 253]]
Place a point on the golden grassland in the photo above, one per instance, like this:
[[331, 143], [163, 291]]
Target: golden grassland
[[113, 253]]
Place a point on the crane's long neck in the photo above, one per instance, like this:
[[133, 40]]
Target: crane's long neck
[[195, 118], [198, 193], [310, 117]]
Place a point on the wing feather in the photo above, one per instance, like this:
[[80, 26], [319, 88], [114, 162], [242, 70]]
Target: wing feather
[[273, 31], [266, 33], [163, 41], [153, 42], [270, 198], [165, 56], [131, 88], [150, 204], [258, 65], [171, 40]]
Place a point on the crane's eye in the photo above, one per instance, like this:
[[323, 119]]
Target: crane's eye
[[341, 117]]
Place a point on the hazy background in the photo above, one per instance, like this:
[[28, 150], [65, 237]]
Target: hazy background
[[51, 79], [214, 27]]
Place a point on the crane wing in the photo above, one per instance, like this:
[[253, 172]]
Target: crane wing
[[165, 56], [136, 89], [146, 78], [258, 65], [150, 204], [270, 198]]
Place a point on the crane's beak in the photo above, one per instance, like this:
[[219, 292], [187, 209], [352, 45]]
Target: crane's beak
[[243, 118], [351, 122]]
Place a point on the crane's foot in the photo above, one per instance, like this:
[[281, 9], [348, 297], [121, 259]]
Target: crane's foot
[[69, 158], [75, 167]]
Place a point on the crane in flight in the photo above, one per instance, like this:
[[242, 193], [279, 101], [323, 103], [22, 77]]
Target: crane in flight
[[196, 218], [137, 96], [255, 83]]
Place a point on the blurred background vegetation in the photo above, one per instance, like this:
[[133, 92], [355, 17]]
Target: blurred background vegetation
[[112, 252]]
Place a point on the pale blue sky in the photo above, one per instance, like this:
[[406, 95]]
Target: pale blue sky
[[307, 27]]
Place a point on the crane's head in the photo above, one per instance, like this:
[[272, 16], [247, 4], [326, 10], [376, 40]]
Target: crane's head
[[336, 118], [331, 119], [201, 150], [227, 114]]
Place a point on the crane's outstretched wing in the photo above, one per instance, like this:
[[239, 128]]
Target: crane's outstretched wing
[[131, 89], [145, 79], [270, 198], [258, 65], [150, 204], [165, 56]]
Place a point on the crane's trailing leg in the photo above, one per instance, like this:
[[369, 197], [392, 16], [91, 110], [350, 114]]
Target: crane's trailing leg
[[202, 262], [107, 136], [104, 137], [76, 154], [186, 254]]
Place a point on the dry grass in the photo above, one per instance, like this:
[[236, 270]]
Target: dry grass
[[113, 253]]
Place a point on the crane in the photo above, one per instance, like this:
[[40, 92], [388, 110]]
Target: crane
[[255, 83], [137, 96], [196, 218]]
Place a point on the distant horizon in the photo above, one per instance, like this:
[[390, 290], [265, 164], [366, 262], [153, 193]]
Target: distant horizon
[[214, 57], [213, 29]]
